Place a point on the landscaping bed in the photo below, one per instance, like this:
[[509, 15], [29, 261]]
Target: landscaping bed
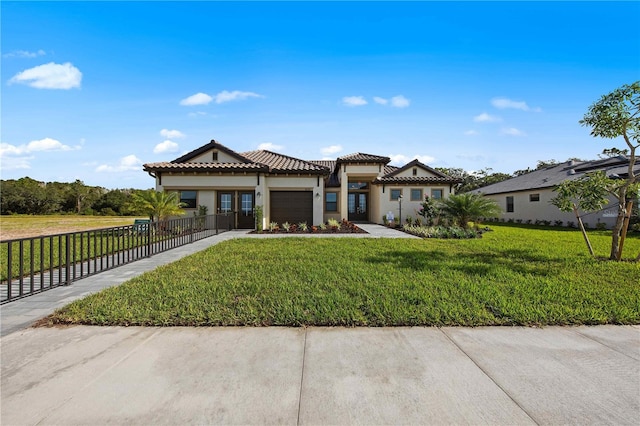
[[331, 227]]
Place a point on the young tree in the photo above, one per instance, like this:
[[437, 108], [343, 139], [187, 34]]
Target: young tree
[[615, 114], [468, 206], [158, 205]]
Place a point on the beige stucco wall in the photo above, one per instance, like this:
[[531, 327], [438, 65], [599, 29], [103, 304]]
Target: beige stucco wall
[[207, 157], [525, 210], [409, 208]]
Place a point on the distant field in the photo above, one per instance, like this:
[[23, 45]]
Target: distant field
[[22, 226]]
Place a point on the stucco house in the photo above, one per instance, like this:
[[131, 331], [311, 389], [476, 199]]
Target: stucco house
[[528, 197], [356, 187]]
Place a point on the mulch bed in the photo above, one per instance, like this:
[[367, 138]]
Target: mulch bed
[[344, 228]]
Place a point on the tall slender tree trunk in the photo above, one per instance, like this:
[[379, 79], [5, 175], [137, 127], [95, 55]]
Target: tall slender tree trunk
[[617, 228]]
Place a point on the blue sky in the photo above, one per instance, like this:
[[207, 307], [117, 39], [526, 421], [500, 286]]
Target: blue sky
[[92, 90]]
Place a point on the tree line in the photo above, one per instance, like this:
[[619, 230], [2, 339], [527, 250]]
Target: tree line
[[29, 196]]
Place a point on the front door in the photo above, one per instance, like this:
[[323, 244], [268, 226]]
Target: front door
[[246, 218], [357, 203], [240, 204]]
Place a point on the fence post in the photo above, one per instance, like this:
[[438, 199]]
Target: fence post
[[149, 238], [67, 262], [192, 227]]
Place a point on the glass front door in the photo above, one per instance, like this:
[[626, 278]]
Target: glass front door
[[240, 204], [245, 212], [357, 204]]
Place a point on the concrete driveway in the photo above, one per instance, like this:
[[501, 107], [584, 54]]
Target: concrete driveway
[[406, 375]]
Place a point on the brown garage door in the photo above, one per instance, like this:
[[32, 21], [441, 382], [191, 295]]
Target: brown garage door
[[292, 207]]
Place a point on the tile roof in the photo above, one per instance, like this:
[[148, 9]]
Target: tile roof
[[416, 163], [414, 180], [329, 164], [204, 148], [204, 167], [388, 169], [359, 157], [283, 163], [555, 175]]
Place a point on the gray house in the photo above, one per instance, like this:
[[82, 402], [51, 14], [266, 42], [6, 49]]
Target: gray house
[[527, 197]]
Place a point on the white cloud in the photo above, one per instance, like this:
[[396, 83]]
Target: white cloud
[[50, 76], [128, 163], [471, 132], [46, 144], [197, 99], [24, 54], [512, 131], [166, 146], [197, 114], [236, 95], [16, 157], [400, 102], [171, 134], [331, 150], [486, 118], [503, 103], [381, 101], [401, 159], [353, 101], [268, 146]]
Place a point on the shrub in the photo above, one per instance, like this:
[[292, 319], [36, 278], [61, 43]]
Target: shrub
[[303, 226], [273, 226], [259, 218]]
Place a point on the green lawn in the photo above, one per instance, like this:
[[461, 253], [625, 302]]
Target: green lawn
[[512, 276]]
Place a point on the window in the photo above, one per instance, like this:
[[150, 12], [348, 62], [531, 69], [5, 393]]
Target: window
[[416, 194], [246, 204], [358, 185], [331, 201], [415, 171], [188, 199], [214, 156], [436, 194], [509, 204], [534, 197], [396, 194], [225, 202]]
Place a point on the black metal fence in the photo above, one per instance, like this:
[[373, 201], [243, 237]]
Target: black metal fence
[[33, 265]]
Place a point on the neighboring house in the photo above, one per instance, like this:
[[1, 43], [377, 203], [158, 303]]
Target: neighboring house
[[528, 197], [357, 187]]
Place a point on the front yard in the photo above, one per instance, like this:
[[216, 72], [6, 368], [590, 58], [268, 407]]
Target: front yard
[[512, 276]]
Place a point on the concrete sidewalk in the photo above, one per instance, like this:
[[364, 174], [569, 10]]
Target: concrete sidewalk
[[487, 375]]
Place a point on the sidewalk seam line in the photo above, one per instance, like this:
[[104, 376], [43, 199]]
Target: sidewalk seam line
[[593, 339], [489, 376], [304, 355]]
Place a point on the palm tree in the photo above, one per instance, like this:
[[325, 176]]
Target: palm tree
[[467, 207], [158, 205]]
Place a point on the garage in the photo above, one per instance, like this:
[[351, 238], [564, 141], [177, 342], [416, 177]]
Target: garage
[[292, 207]]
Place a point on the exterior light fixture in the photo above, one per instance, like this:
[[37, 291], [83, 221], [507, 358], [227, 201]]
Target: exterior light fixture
[[258, 194], [317, 195]]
